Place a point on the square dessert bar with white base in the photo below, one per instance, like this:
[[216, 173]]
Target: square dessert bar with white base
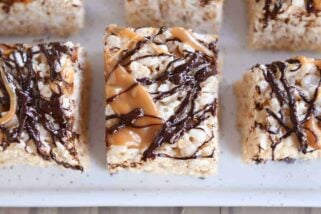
[[39, 17], [43, 118], [280, 111], [285, 24], [161, 100], [199, 15]]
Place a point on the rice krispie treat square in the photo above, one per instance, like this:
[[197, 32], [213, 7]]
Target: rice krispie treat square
[[43, 118], [285, 24], [161, 100], [280, 111], [199, 15], [39, 17]]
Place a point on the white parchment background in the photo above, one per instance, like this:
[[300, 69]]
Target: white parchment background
[[275, 184]]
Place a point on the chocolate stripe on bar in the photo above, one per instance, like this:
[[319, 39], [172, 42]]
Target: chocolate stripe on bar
[[32, 108], [271, 13]]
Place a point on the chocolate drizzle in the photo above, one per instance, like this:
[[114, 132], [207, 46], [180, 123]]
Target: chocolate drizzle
[[272, 8], [186, 72], [271, 13], [34, 110], [284, 92]]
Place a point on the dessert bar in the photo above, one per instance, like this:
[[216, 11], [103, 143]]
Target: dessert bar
[[280, 111], [161, 100], [39, 17], [199, 15], [43, 105], [285, 24]]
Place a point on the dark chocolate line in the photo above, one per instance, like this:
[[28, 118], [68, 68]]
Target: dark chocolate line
[[129, 119]]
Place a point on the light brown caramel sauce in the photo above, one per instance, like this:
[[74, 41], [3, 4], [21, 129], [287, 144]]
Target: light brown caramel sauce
[[304, 60], [5, 49], [119, 80], [138, 97], [7, 116], [313, 132], [317, 4], [187, 38]]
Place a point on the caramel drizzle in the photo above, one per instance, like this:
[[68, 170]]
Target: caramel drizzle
[[135, 130], [24, 98], [187, 38], [135, 120], [126, 97], [12, 97], [304, 130]]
